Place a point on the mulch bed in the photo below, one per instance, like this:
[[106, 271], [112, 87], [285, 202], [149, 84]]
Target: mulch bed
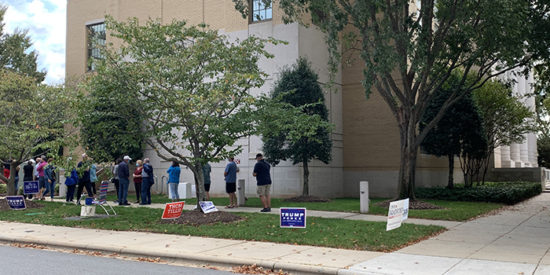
[[30, 204], [197, 218], [306, 199], [418, 205]]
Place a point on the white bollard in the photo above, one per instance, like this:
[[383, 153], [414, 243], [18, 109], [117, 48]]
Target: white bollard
[[240, 193], [364, 196]]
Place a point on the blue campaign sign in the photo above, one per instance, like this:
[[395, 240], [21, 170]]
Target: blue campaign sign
[[30, 187], [293, 217], [16, 202]]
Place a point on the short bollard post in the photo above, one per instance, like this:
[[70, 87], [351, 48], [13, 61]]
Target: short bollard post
[[240, 193], [364, 196]]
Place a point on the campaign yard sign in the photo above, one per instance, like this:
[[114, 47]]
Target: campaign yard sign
[[173, 210], [207, 207], [293, 217], [30, 187], [16, 202], [398, 212]]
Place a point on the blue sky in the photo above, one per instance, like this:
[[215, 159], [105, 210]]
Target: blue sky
[[45, 21]]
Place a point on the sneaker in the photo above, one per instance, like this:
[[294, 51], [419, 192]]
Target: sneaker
[[266, 210]]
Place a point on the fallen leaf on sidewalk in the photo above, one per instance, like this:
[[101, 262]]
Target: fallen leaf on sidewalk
[[254, 269]]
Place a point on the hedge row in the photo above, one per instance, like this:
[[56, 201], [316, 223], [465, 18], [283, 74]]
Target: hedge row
[[501, 192]]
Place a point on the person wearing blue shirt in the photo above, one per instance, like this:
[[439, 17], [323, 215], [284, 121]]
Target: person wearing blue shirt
[[174, 180], [147, 180], [230, 174], [263, 179]]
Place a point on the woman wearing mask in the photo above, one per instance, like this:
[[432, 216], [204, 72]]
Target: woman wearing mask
[[138, 179]]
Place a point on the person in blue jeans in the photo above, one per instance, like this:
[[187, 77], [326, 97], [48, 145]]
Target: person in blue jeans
[[49, 177], [123, 181], [147, 181], [174, 180]]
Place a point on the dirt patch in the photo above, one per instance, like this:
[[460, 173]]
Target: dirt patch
[[4, 206], [418, 205], [197, 218], [306, 199]]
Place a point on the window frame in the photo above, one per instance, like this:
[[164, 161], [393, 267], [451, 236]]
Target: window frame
[[252, 19], [89, 43]]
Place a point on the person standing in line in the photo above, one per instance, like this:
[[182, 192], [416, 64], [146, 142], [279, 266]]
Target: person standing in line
[[93, 176], [114, 180], [263, 179], [137, 179], [174, 180], [71, 182], [17, 179], [41, 177], [28, 173], [206, 169], [123, 180], [230, 174], [146, 182], [83, 178], [35, 172], [50, 176]]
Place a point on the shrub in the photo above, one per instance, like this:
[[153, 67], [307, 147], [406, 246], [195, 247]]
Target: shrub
[[501, 192], [3, 188]]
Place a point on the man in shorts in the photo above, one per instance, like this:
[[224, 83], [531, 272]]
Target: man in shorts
[[230, 174], [263, 179]]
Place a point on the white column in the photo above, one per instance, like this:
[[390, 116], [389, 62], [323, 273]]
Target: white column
[[515, 155], [497, 157], [533, 153], [505, 160]]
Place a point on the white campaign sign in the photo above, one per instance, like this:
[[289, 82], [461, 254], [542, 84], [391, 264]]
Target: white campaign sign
[[405, 209], [207, 207], [397, 213]]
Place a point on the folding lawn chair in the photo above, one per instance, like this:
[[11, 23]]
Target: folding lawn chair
[[103, 199]]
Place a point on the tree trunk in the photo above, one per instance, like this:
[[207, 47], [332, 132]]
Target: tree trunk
[[199, 184], [407, 167], [450, 182], [305, 191]]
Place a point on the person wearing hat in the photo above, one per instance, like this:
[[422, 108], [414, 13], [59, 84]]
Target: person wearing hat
[[123, 180]]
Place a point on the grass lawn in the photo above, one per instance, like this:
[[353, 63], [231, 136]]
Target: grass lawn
[[336, 233], [452, 210]]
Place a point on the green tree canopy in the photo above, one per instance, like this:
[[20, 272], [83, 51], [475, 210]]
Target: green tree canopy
[[459, 132], [410, 48], [192, 87], [299, 87], [16, 53], [32, 119], [110, 126]]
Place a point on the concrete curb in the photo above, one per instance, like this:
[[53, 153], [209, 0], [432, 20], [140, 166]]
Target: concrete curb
[[274, 265]]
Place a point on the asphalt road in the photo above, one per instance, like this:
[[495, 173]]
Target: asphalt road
[[34, 261]]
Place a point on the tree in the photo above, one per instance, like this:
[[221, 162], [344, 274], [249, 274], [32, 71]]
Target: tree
[[15, 53], [542, 106], [298, 86], [110, 126], [505, 119], [458, 133], [409, 52], [32, 118], [193, 87]]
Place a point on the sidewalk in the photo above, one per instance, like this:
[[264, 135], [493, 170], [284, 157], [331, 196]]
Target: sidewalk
[[515, 241]]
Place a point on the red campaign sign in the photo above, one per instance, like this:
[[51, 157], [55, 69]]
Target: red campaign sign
[[173, 210]]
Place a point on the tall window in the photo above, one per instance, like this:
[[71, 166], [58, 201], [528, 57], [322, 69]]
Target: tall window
[[259, 11], [96, 39]]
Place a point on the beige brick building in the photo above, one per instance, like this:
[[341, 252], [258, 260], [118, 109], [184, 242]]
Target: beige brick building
[[365, 137]]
